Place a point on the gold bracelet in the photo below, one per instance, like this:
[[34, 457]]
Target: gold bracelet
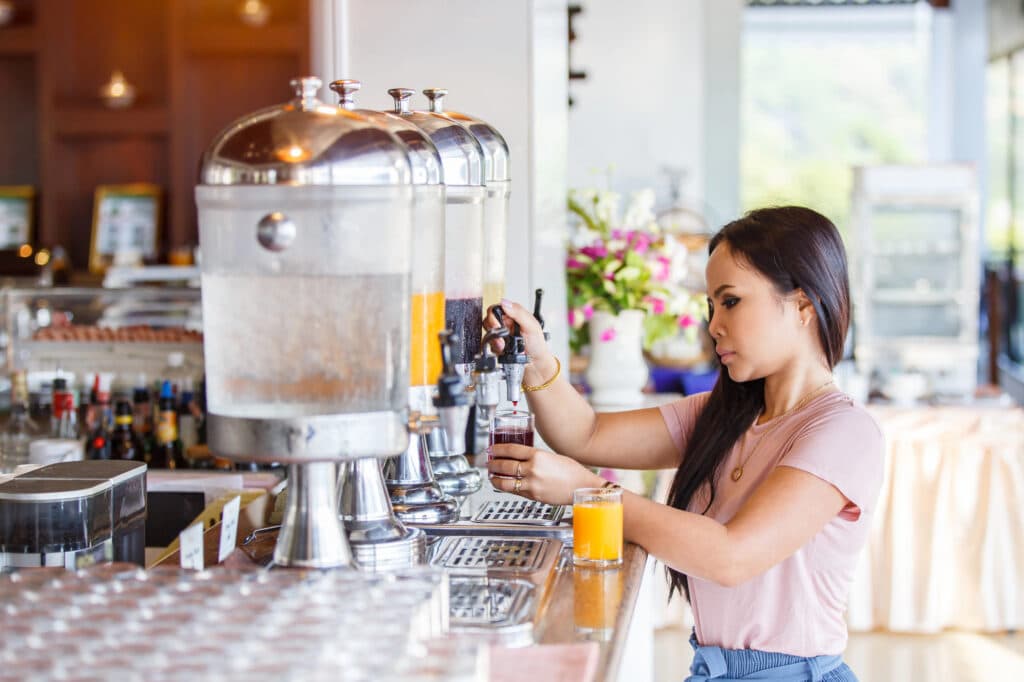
[[539, 387]]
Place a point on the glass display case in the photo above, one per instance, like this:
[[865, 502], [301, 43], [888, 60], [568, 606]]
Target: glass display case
[[81, 331], [915, 274]]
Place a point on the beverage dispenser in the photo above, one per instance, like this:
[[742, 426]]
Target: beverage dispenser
[[497, 179], [415, 495], [463, 166], [305, 222]]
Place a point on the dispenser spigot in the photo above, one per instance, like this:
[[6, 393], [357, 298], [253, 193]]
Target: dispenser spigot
[[452, 402], [487, 376], [513, 359]]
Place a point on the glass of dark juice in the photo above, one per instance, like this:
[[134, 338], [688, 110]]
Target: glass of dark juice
[[512, 426]]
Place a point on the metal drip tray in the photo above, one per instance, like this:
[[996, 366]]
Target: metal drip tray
[[477, 601], [487, 553], [519, 510]]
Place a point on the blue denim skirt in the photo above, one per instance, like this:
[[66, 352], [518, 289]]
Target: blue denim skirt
[[715, 664]]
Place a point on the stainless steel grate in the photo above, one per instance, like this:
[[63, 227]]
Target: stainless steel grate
[[469, 552], [492, 602], [519, 511]]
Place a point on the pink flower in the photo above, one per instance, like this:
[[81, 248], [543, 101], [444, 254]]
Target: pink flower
[[608, 334], [641, 242], [687, 321], [608, 475], [664, 269], [574, 264], [595, 251], [657, 304], [588, 311], [619, 234], [572, 317]]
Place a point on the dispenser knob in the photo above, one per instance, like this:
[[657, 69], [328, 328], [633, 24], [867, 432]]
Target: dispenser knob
[[305, 91], [276, 231], [451, 389], [436, 97], [536, 312], [346, 89], [401, 97]]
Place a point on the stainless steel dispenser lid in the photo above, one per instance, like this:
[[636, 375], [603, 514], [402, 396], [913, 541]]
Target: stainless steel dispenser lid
[[305, 142], [461, 154], [423, 155], [496, 163]]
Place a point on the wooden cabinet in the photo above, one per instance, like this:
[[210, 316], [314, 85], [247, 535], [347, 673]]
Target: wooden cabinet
[[196, 66]]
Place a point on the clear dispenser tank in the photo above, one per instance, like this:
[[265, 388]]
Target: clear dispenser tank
[[415, 495], [497, 178], [463, 162], [427, 302], [305, 222]]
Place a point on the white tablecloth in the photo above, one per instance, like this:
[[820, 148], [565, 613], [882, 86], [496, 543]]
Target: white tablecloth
[[946, 548]]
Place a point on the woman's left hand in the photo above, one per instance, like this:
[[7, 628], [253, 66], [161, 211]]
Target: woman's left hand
[[538, 474]]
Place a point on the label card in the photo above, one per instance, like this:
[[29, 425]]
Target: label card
[[228, 528], [191, 549]]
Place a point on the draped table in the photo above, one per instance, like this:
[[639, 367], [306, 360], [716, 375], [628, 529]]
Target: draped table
[[946, 547]]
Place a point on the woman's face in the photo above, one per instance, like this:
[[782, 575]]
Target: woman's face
[[755, 330]]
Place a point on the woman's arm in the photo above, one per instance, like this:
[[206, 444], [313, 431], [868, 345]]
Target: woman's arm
[[782, 515], [638, 439]]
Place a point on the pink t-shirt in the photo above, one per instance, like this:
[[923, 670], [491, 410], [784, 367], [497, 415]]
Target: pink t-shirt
[[795, 607]]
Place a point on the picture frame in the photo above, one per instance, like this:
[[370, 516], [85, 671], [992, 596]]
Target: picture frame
[[17, 215], [125, 225]]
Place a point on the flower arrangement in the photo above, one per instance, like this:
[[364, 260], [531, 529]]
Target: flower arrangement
[[615, 264]]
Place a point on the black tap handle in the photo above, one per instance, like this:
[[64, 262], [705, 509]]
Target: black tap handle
[[499, 315], [450, 387], [536, 307], [447, 339]]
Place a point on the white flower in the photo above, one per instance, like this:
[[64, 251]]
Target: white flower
[[640, 210], [584, 236], [606, 210]]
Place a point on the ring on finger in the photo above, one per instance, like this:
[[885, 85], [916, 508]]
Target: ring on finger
[[519, 469], [517, 486]]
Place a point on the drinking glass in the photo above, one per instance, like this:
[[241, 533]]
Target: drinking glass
[[597, 527], [511, 426]]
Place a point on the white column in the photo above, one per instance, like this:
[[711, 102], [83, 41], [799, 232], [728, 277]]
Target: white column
[[970, 49], [503, 62], [722, 29]]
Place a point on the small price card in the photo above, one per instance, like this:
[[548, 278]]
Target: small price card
[[191, 547], [228, 528]]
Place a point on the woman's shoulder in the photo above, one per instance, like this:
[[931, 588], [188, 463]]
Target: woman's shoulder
[[839, 413], [681, 415]]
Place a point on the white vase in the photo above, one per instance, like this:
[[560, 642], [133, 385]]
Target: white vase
[[617, 372]]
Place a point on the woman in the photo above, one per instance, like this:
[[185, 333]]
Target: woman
[[777, 471]]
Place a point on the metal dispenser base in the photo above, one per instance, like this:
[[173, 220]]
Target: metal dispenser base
[[415, 495], [377, 539], [311, 534], [453, 472]]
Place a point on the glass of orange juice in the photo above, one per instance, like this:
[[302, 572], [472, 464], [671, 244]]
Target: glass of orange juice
[[597, 527]]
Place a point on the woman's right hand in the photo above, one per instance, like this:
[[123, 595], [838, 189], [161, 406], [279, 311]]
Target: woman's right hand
[[529, 328]]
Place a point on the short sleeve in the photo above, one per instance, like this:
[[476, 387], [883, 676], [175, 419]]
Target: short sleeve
[[844, 447], [681, 416]]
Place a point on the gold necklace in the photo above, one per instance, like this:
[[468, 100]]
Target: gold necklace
[[737, 473]]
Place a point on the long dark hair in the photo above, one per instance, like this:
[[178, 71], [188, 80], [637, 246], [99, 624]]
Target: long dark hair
[[794, 248]]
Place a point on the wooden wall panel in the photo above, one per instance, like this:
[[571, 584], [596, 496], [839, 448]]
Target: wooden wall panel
[[226, 11], [86, 163], [19, 159], [220, 89], [92, 38]]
